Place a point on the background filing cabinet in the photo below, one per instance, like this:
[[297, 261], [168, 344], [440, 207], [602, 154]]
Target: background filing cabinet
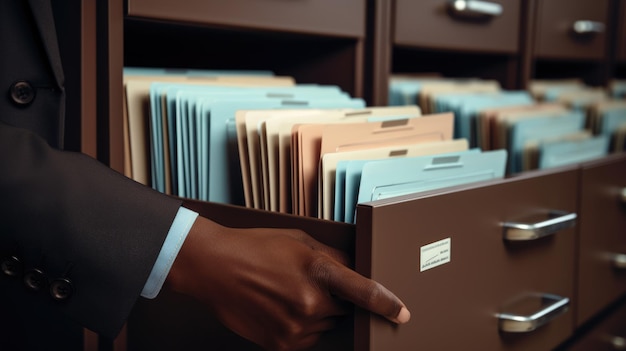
[[438, 25], [571, 40], [572, 29]]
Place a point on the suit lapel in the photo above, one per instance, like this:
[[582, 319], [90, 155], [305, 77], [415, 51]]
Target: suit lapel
[[42, 12]]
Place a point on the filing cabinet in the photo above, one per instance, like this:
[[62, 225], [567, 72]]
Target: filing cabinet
[[485, 274], [454, 304], [491, 274], [572, 29], [437, 24]]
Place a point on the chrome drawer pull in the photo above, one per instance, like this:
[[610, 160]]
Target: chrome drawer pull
[[514, 231], [618, 343], [619, 261], [514, 323], [475, 8], [588, 27], [623, 196]]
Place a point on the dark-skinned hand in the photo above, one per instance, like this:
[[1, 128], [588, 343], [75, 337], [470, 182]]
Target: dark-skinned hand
[[278, 288]]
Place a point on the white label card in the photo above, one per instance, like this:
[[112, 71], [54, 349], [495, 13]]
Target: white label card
[[435, 254]]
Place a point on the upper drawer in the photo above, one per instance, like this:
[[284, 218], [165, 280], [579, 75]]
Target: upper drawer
[[602, 254], [571, 29], [344, 18], [432, 24], [445, 254]]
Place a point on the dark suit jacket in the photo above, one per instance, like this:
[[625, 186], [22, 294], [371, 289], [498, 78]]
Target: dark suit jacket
[[77, 240]]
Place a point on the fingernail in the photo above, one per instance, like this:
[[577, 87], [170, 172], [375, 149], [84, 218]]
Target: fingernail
[[403, 316]]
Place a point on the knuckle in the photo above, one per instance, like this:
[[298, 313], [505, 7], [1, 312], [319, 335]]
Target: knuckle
[[321, 268]]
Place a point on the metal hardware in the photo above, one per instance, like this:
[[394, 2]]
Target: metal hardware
[[618, 343], [475, 8], [513, 323], [514, 231], [588, 27], [619, 261], [623, 196]]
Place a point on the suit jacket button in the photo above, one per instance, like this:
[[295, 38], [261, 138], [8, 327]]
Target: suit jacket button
[[11, 266], [22, 93], [35, 279], [61, 289]]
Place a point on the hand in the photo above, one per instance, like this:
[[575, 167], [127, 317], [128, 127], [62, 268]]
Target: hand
[[279, 288]]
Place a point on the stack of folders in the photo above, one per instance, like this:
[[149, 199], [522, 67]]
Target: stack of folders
[[252, 138], [279, 151], [546, 126], [188, 121], [319, 163], [603, 108]]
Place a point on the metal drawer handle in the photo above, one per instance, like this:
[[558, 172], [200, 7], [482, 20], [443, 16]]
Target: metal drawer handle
[[588, 27], [619, 261], [623, 196], [475, 8], [514, 231], [513, 323], [618, 343]]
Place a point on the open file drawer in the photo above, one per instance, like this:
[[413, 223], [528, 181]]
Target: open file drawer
[[445, 255], [454, 304]]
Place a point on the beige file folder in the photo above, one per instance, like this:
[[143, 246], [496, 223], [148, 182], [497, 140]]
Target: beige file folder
[[316, 140], [278, 137]]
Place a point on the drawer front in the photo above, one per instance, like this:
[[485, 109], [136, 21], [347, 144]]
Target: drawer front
[[602, 253], [608, 335], [455, 304], [431, 24], [344, 18], [556, 36]]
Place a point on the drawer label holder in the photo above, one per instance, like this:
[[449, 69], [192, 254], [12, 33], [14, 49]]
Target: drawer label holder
[[435, 254]]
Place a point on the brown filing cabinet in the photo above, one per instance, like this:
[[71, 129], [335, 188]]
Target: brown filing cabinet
[[450, 38], [487, 274], [455, 304], [602, 236], [439, 24], [572, 29], [570, 40]]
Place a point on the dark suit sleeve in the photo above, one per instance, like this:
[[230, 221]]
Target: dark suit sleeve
[[71, 217]]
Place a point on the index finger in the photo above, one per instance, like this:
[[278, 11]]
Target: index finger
[[366, 293]]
